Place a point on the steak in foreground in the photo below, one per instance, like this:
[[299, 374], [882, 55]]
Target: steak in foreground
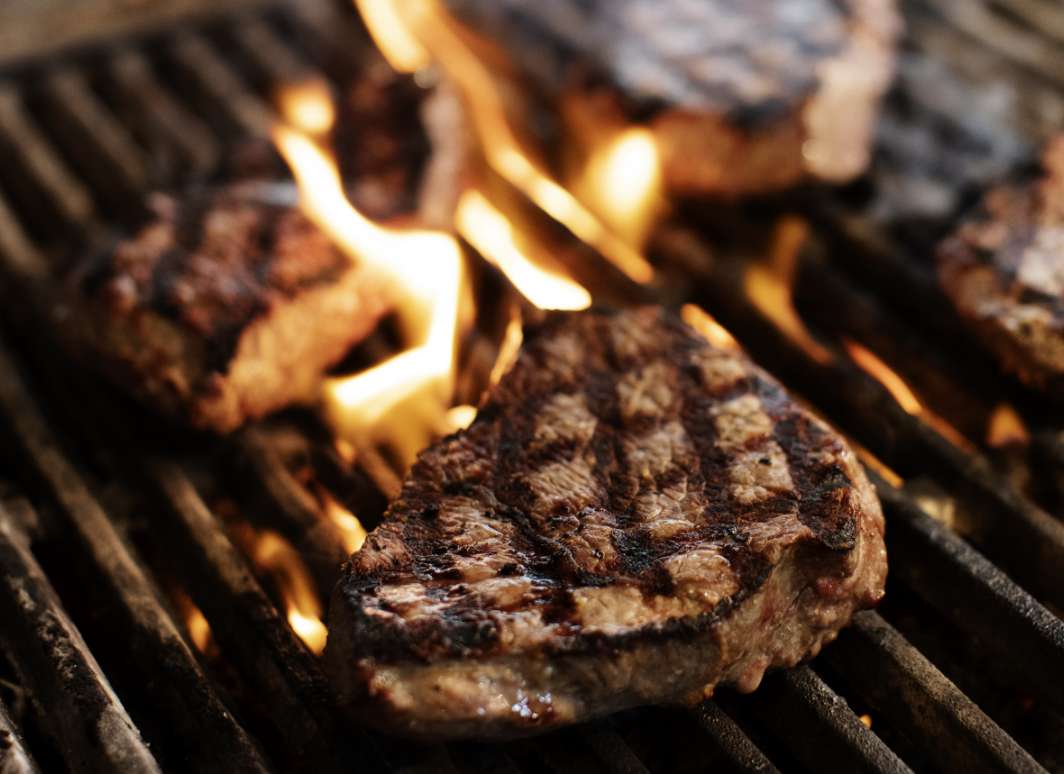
[[1003, 268], [635, 517]]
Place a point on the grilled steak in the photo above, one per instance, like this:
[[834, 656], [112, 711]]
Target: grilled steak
[[744, 97], [634, 517], [224, 306], [1004, 271]]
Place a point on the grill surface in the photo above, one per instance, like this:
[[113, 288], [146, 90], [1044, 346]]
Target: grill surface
[[105, 529]]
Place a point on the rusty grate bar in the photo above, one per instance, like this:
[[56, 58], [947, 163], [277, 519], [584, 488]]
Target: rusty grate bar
[[817, 725], [14, 757], [918, 698], [739, 751], [83, 712], [211, 734], [976, 596]]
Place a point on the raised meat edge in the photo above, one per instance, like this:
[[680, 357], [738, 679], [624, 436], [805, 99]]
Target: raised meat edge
[[724, 125], [810, 591], [1003, 269], [211, 334]]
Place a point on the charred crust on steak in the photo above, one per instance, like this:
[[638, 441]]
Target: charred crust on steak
[[627, 487], [753, 78], [204, 308], [1003, 269]]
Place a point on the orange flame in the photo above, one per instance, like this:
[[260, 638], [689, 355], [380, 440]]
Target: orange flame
[[715, 333], [488, 230], [196, 623], [902, 393], [273, 554], [621, 181], [508, 349], [351, 529], [1006, 428], [425, 272], [403, 29], [769, 286]]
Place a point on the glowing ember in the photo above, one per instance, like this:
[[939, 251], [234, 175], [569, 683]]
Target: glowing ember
[[491, 234], [394, 24], [1006, 428], [769, 286], [274, 555], [715, 333], [354, 534], [426, 273]]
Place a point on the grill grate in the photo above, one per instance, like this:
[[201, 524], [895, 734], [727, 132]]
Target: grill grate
[[82, 138]]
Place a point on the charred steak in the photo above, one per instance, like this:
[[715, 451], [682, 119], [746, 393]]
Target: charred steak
[[1004, 271], [634, 517], [744, 97], [225, 305]]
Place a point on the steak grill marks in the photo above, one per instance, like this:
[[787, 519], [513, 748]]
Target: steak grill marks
[[750, 457]]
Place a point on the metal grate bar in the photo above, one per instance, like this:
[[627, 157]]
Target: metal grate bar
[[211, 736], [740, 752], [292, 509], [976, 596], [246, 624], [214, 78], [118, 154], [917, 698], [14, 758], [20, 256], [89, 722], [72, 199], [163, 116], [818, 726], [274, 57]]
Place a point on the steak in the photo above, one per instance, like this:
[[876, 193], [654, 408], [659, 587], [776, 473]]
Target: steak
[[743, 97], [227, 304], [634, 517], [1003, 268]]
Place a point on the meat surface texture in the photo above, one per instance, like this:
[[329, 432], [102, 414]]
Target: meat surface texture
[[225, 305], [1003, 268], [744, 97], [634, 517]]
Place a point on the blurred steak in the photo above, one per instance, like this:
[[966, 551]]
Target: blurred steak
[[225, 305], [744, 97], [634, 517], [1004, 271]]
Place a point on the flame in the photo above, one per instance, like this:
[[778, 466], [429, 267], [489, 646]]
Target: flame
[[866, 721], [274, 555], [394, 24], [461, 417], [1006, 428], [871, 364], [385, 24], [425, 273], [708, 327], [622, 182], [488, 230], [351, 529], [308, 106], [508, 349], [196, 623], [886, 376], [769, 287]]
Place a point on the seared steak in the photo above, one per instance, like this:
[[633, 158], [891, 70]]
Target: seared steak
[[224, 306], [744, 97], [634, 517], [1004, 271]]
